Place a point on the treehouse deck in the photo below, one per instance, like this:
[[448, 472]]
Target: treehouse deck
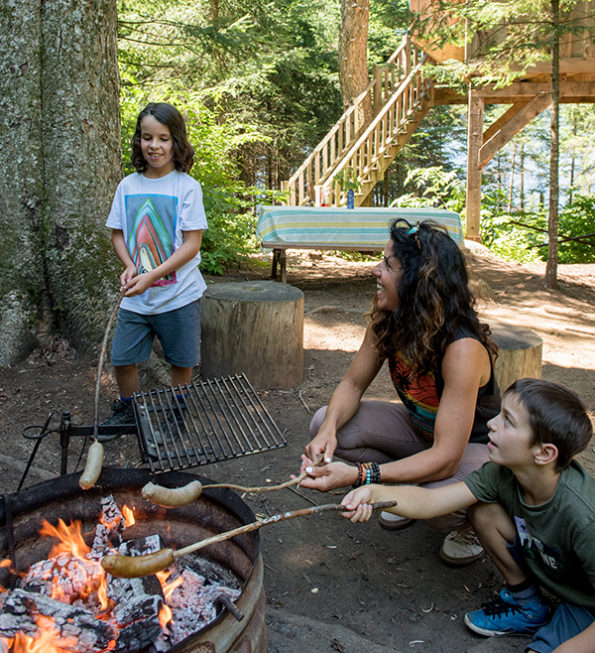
[[369, 135]]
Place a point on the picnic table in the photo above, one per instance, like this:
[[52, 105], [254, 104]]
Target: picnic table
[[362, 229]]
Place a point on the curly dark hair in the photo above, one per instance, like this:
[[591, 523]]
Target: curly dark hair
[[435, 301], [169, 116]]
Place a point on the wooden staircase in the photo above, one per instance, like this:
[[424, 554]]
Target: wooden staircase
[[369, 135]]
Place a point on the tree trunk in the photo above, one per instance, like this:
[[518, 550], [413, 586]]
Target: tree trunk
[[60, 104], [511, 184], [522, 179], [551, 270], [22, 281], [353, 53]]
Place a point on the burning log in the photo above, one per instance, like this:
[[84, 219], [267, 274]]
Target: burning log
[[193, 600], [138, 622], [65, 576], [76, 629]]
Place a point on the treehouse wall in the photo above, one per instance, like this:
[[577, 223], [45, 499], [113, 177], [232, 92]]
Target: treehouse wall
[[573, 46]]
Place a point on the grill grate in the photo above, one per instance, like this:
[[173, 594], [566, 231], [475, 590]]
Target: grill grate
[[214, 420]]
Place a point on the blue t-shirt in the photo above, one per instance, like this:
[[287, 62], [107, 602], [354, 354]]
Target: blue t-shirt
[[153, 214]]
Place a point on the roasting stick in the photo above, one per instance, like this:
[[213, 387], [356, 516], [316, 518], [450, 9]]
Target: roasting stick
[[182, 496], [95, 454], [145, 565]]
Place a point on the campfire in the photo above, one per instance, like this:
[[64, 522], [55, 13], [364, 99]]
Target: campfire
[[58, 598], [67, 603]]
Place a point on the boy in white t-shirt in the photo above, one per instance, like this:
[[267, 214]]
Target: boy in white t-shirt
[[157, 218]]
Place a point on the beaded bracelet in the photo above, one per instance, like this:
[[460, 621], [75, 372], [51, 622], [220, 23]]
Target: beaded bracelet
[[360, 474], [367, 473]]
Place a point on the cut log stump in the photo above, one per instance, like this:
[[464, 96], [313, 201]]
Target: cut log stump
[[255, 327], [519, 353]]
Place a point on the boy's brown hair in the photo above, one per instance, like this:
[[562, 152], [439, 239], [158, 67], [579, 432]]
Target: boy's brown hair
[[557, 415], [168, 115]]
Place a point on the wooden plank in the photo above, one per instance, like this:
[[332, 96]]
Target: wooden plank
[[503, 119], [474, 141], [568, 89], [570, 92], [519, 119]]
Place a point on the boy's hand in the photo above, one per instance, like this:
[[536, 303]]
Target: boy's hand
[[138, 284], [129, 273], [358, 504]]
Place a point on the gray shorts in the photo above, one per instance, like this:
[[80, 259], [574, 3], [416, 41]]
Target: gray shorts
[[381, 431], [178, 332]]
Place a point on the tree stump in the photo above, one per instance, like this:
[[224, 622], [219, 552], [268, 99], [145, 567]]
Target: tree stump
[[255, 327], [519, 353]]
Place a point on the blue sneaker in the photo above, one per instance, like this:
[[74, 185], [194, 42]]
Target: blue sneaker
[[505, 616]]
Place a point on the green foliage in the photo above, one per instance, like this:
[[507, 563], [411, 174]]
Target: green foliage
[[578, 219], [509, 240], [435, 188], [347, 180], [523, 237]]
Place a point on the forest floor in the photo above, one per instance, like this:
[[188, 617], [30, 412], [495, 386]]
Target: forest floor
[[331, 585]]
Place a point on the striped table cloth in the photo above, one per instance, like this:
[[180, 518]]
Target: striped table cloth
[[309, 227]]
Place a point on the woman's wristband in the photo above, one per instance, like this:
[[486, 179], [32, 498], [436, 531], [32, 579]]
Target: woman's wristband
[[367, 473]]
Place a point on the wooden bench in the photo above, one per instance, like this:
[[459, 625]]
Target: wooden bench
[[331, 228]]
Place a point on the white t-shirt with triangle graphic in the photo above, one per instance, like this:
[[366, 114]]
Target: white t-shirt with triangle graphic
[[152, 214]]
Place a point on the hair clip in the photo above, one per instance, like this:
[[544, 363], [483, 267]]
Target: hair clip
[[413, 230]]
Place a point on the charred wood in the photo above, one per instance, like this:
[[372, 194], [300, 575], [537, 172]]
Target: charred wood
[[77, 629]]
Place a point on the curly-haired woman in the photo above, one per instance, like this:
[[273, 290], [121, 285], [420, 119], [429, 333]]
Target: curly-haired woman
[[423, 322]]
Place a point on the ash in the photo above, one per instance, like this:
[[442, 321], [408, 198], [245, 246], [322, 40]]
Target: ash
[[71, 591]]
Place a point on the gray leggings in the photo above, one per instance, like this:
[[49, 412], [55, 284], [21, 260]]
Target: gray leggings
[[381, 432]]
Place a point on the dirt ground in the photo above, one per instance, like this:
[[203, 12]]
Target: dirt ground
[[330, 585]]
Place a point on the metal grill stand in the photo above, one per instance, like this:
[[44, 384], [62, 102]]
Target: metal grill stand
[[180, 427], [204, 422]]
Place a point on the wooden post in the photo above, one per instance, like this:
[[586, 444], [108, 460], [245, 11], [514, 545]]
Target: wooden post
[[474, 143], [255, 327], [519, 353]]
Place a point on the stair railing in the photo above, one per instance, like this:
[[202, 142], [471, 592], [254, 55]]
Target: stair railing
[[414, 93], [324, 158]]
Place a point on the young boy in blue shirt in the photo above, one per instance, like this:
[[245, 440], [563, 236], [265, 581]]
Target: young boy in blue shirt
[[533, 509]]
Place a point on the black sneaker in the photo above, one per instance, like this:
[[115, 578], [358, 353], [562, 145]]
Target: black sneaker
[[123, 413], [157, 441]]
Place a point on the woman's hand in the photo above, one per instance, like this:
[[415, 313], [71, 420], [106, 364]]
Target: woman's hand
[[324, 443], [329, 476], [358, 504]]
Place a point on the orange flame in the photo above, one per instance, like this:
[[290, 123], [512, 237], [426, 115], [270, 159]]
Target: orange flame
[[75, 575], [165, 616], [168, 586], [71, 539], [129, 518], [45, 642]]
